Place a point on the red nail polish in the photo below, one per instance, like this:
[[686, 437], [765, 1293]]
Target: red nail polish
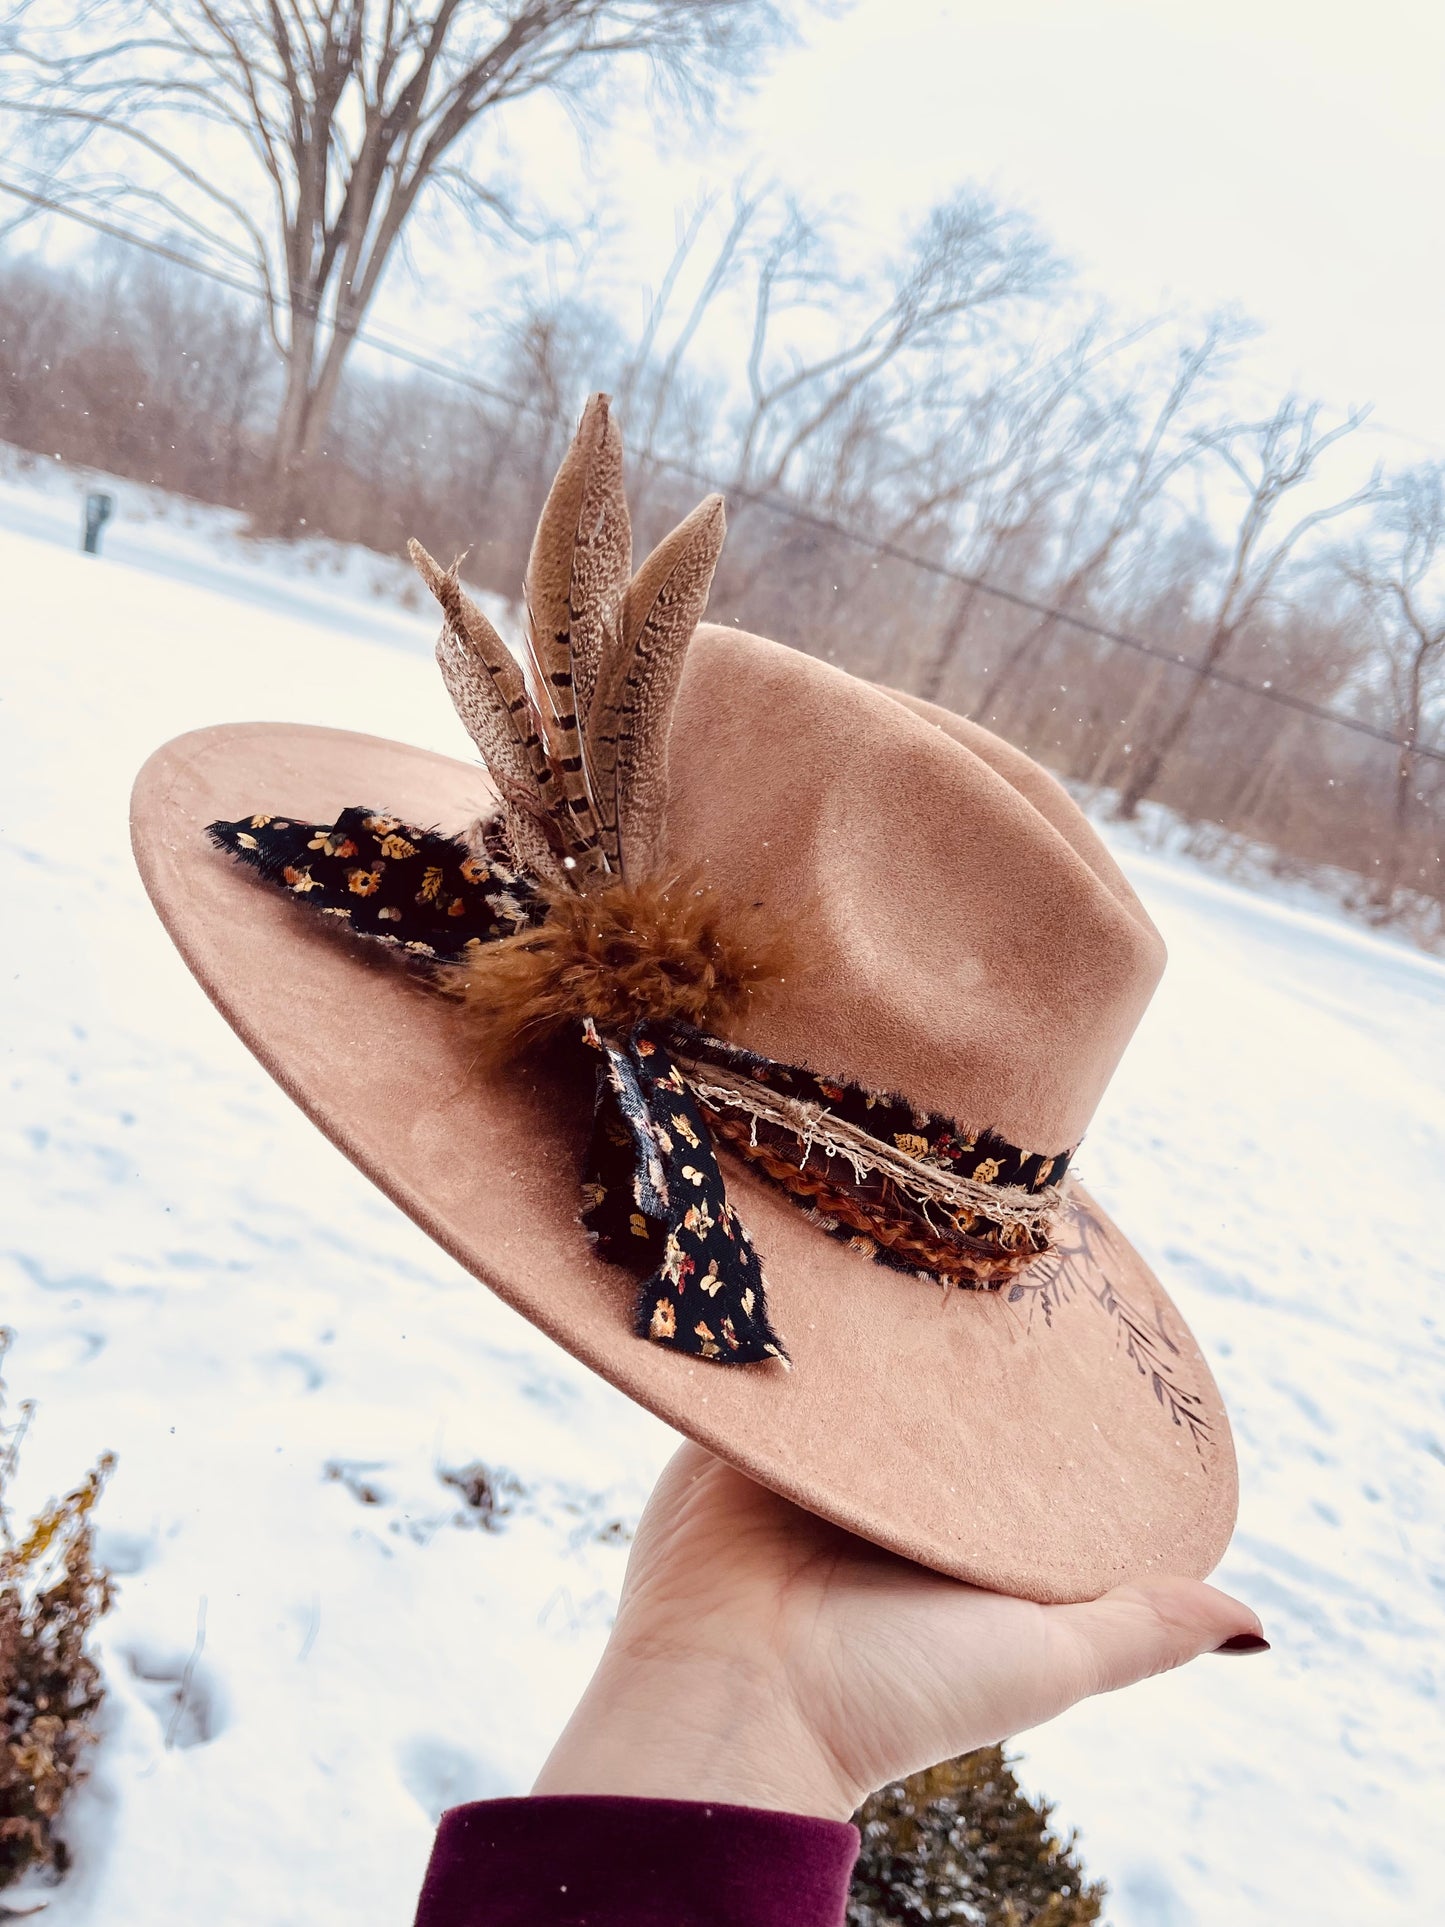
[[1244, 1643]]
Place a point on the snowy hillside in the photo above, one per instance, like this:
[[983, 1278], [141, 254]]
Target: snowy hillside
[[288, 1370]]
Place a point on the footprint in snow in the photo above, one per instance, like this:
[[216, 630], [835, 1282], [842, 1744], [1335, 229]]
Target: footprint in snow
[[439, 1775], [292, 1374], [181, 1691], [123, 1553], [62, 1350]]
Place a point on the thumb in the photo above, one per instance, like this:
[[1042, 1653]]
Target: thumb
[[1139, 1630]]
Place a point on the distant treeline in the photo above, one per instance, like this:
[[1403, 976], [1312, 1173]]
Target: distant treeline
[[956, 421]]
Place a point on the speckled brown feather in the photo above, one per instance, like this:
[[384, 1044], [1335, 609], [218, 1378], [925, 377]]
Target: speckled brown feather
[[575, 575], [601, 559], [632, 715], [490, 696], [585, 774]]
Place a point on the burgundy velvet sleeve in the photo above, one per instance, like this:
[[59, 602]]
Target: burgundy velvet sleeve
[[593, 1861]]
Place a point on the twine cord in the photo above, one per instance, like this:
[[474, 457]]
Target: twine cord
[[1035, 1213]]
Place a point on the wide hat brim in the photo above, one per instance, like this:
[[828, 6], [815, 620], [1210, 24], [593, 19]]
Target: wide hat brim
[[1051, 1441]]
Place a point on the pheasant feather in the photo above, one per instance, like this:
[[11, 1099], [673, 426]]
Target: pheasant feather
[[632, 713], [489, 693], [575, 581], [576, 738], [602, 552]]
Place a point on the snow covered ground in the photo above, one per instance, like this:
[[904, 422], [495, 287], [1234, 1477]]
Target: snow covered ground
[[287, 1369]]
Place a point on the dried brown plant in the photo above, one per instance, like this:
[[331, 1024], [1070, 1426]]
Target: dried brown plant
[[52, 1592]]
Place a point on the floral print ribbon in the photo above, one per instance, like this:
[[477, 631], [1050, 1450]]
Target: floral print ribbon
[[653, 1196], [429, 895], [655, 1201]]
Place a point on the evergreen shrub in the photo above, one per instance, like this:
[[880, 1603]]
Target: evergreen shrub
[[962, 1843]]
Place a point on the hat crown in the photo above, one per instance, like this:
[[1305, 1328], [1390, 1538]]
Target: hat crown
[[962, 936]]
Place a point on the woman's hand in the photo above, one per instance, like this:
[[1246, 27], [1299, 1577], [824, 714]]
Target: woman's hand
[[764, 1658]]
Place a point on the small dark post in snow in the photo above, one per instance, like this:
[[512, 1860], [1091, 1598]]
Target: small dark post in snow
[[97, 514]]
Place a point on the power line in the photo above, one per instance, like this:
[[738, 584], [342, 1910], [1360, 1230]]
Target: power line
[[132, 239], [807, 518]]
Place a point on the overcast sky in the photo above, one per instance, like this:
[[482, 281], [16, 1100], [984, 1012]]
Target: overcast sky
[[1283, 156]]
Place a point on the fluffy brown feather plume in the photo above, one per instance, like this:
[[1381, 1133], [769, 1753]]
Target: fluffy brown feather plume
[[631, 951]]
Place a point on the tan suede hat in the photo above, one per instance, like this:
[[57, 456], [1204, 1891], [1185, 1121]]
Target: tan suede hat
[[812, 986]]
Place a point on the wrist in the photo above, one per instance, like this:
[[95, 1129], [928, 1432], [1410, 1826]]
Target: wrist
[[691, 1726]]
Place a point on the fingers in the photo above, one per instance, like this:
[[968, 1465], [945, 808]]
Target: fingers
[[1136, 1631]]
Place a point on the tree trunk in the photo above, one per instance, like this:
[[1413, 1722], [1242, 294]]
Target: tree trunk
[[935, 670], [1008, 675], [1125, 730], [1393, 867], [1388, 881], [1249, 805], [1150, 765], [279, 513]]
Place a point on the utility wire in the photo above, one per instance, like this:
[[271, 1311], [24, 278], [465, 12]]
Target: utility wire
[[821, 524]]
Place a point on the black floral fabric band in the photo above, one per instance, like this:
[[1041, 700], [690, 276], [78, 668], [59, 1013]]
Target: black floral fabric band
[[654, 1199], [431, 895]]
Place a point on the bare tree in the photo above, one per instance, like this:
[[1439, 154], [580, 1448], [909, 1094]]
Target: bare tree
[[746, 203], [1400, 578], [1137, 463], [203, 357], [303, 134], [1270, 460], [968, 264], [1028, 457]]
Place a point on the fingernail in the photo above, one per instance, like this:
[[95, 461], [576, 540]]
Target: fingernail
[[1244, 1643]]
